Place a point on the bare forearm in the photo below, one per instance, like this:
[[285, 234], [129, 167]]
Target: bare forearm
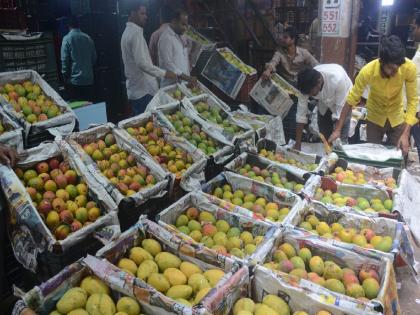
[[344, 113], [299, 132]]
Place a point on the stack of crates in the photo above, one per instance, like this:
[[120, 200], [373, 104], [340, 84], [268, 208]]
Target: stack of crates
[[33, 54]]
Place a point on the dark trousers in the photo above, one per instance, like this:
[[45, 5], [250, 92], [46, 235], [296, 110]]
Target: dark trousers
[[375, 133], [415, 132], [139, 106], [80, 93]]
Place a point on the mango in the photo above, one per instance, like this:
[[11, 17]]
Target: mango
[[100, 304], [79, 311], [73, 299], [138, 255], [92, 284], [152, 246], [146, 268], [277, 304], [175, 276], [128, 305], [198, 282], [158, 281], [181, 291], [167, 260], [262, 309], [189, 268], [127, 264], [213, 276], [184, 302], [201, 294], [243, 304]]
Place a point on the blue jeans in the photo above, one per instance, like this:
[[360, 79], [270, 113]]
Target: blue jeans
[[415, 132], [139, 106]]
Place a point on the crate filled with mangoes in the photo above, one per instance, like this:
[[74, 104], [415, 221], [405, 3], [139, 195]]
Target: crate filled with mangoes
[[63, 205], [348, 279], [369, 201], [258, 169], [195, 219], [358, 174], [234, 60], [10, 131], [28, 98], [82, 288], [129, 172], [178, 274], [180, 159], [187, 125], [209, 109], [350, 230], [251, 198], [175, 91], [296, 160]]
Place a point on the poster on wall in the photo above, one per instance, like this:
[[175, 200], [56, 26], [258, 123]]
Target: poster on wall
[[336, 18]]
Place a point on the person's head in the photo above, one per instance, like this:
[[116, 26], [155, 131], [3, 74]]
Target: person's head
[[179, 21], [137, 12], [309, 82], [391, 55], [417, 28], [289, 37], [73, 22], [165, 14]]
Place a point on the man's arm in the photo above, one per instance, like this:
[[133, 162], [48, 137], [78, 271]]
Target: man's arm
[[310, 60], [411, 111], [353, 99], [301, 120], [65, 59], [165, 53], [271, 66], [341, 93], [94, 56]]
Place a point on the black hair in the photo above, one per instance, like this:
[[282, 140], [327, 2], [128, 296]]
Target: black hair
[[307, 79], [291, 32], [73, 22], [165, 14], [134, 5], [176, 14], [392, 51], [418, 19]]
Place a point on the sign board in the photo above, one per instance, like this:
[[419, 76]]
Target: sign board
[[336, 18]]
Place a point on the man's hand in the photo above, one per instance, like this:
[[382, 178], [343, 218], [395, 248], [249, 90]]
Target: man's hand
[[171, 76], [266, 74], [334, 136], [404, 143], [7, 156]]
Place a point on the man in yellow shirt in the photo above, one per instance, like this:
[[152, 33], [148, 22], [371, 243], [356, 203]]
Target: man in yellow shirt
[[386, 77]]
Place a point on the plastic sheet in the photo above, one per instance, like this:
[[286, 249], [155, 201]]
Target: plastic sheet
[[12, 136], [29, 234]]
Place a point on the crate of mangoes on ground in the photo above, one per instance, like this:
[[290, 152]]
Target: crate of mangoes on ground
[[347, 278], [188, 126], [350, 230], [195, 219], [250, 198], [177, 274], [261, 170], [176, 155], [128, 173]]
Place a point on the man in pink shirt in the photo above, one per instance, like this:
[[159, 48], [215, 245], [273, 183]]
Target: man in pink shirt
[[154, 39]]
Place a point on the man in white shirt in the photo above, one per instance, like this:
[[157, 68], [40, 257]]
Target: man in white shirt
[[173, 50], [154, 38], [329, 84], [139, 70]]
